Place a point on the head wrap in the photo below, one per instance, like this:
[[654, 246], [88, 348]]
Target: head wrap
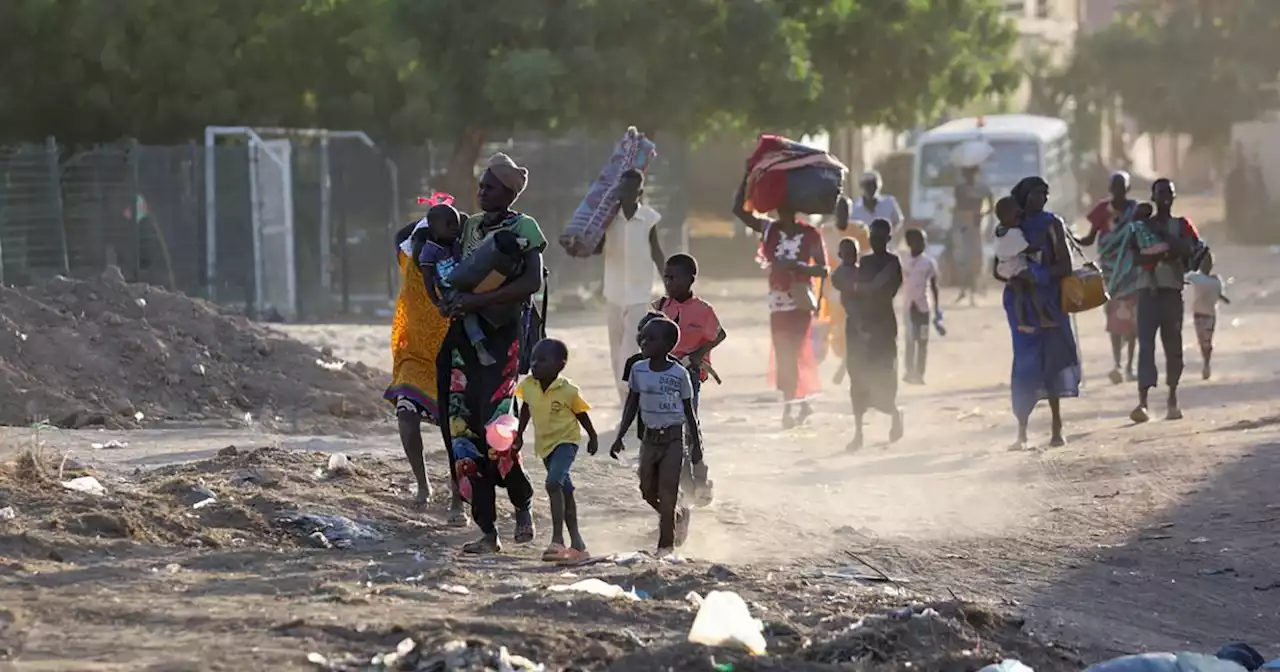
[[872, 176], [1025, 186], [1123, 175], [514, 177]]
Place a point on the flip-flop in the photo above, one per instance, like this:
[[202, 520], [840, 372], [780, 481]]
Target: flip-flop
[[555, 553]]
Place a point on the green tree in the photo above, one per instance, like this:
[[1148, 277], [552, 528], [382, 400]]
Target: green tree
[[685, 69], [1189, 66]]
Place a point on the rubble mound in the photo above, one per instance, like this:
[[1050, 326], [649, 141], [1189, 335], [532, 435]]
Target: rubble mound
[[103, 352]]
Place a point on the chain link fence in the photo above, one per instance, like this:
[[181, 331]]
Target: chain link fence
[[145, 209]]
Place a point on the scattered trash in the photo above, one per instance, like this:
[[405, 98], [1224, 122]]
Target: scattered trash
[[113, 443], [1199, 540], [693, 598], [330, 531], [336, 365], [209, 501], [197, 369], [455, 589], [1008, 665], [339, 464], [86, 484], [598, 587], [8, 513], [257, 476], [138, 416], [629, 558], [1166, 662], [393, 659], [724, 620]]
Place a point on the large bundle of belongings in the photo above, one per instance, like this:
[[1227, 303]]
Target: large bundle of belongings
[[585, 231], [784, 175]]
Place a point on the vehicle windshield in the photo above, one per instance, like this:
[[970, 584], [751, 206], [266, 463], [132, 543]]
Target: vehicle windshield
[[1011, 161]]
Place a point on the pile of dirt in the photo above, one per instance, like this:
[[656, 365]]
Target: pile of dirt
[[108, 353], [262, 498]]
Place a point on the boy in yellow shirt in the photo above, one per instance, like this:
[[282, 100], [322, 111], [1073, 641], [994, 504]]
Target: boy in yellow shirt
[[557, 409]]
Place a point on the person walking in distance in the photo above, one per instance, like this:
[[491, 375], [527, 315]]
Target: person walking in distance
[[1107, 221], [920, 290], [1206, 292], [632, 257], [662, 394], [1160, 307], [873, 356]]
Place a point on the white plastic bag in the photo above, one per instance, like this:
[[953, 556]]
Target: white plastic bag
[[86, 484], [598, 587], [724, 620], [971, 153], [1008, 665]]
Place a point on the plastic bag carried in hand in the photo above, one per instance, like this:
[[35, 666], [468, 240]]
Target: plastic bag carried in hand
[[724, 620]]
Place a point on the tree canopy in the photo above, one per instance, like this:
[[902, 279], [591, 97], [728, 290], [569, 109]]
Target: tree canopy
[[1187, 66], [463, 72]]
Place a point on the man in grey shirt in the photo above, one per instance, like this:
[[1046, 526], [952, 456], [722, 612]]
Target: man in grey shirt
[[661, 394], [1160, 307]]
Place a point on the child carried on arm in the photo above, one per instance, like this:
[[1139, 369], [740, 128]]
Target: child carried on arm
[[1013, 258], [661, 394], [448, 272]]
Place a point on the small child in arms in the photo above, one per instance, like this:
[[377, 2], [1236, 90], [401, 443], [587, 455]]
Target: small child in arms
[[440, 254], [1013, 254], [556, 408], [1149, 242], [662, 395], [1206, 292]]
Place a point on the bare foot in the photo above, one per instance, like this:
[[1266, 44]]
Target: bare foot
[[806, 411], [424, 494], [1057, 441], [1115, 376], [1174, 413], [856, 443], [895, 433], [1207, 372]]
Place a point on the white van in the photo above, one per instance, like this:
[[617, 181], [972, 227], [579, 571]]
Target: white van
[[1024, 145]]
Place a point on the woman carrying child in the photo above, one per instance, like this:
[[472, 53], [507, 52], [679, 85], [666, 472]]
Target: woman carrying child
[[481, 395], [1046, 364], [1107, 221]]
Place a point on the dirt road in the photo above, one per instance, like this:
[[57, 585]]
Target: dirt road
[[1131, 538]]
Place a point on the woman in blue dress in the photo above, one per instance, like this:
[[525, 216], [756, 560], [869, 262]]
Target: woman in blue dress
[[1046, 364]]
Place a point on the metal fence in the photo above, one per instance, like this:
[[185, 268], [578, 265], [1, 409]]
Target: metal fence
[[74, 211]]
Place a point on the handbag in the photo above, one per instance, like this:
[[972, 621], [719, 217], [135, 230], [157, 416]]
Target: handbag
[[1085, 289]]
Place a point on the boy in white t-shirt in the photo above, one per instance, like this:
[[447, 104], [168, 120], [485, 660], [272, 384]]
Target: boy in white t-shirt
[[919, 285], [1206, 291], [632, 259]]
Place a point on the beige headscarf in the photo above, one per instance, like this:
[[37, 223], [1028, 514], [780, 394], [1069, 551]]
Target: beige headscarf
[[516, 178]]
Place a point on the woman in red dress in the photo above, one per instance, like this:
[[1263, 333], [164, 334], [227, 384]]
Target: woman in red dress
[[796, 257]]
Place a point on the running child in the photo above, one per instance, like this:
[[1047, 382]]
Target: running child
[[1206, 291], [700, 333], [920, 283], [661, 394], [558, 412], [441, 253], [1013, 254]]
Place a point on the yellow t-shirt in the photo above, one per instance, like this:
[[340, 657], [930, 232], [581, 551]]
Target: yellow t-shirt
[[553, 413]]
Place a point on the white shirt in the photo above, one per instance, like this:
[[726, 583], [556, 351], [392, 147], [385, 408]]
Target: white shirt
[[1011, 247], [886, 208], [628, 266], [916, 275], [1206, 291]]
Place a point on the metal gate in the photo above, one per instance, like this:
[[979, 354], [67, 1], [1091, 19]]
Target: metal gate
[[271, 186]]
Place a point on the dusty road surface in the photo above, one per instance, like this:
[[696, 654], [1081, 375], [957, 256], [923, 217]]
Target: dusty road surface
[[1161, 536]]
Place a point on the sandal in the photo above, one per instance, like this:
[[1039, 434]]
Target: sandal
[[485, 545], [555, 553], [573, 556]]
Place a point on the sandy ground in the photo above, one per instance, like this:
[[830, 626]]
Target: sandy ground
[[1131, 538]]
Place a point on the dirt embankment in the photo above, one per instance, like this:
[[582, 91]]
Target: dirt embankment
[[107, 353], [312, 567]]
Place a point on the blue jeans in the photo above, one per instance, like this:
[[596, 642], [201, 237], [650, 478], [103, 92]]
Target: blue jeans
[[558, 464]]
